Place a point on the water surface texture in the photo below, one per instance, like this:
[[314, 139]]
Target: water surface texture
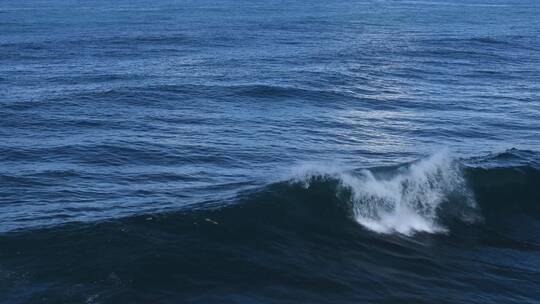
[[270, 151]]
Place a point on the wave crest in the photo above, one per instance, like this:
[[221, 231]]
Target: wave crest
[[407, 201]]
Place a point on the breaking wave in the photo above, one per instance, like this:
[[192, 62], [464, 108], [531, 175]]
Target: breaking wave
[[325, 226], [405, 201]]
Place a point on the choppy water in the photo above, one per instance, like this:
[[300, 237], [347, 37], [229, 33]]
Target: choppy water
[[270, 151]]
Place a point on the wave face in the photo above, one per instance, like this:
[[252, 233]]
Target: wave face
[[438, 226]]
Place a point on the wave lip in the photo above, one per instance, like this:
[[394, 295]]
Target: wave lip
[[410, 200]]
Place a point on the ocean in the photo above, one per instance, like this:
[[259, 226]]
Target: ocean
[[179, 151]]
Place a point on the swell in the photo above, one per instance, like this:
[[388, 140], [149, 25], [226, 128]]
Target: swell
[[425, 196], [165, 95], [352, 235], [116, 153]]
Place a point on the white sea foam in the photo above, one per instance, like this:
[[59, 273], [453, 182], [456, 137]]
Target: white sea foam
[[405, 203]]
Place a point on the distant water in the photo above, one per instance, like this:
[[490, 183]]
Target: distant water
[[270, 151]]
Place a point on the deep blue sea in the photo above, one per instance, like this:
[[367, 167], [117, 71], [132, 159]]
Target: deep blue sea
[[233, 151]]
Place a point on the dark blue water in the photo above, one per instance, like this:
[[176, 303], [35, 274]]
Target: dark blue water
[[270, 151]]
